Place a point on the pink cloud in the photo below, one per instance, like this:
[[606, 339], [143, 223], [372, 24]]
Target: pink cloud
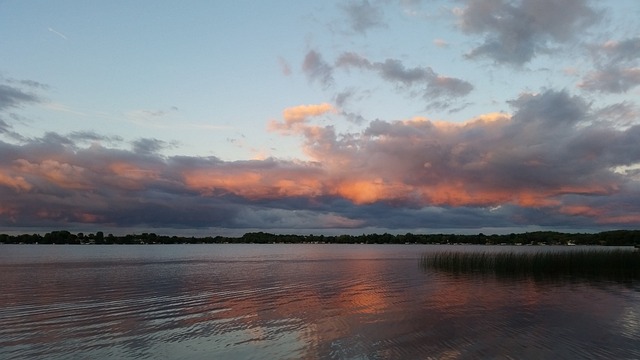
[[17, 183], [65, 175], [130, 176], [299, 180]]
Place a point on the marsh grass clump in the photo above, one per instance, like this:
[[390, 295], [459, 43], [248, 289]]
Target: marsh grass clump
[[593, 263]]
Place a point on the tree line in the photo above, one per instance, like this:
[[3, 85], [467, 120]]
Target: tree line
[[616, 238]]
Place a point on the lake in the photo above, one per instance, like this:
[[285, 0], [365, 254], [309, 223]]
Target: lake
[[306, 301]]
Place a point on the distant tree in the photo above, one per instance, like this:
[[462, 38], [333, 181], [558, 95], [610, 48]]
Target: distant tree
[[99, 237]]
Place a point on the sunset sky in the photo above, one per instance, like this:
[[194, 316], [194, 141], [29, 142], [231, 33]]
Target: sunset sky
[[222, 117]]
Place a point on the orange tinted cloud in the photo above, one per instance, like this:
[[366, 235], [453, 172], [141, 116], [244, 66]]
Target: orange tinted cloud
[[18, 183], [65, 175], [459, 194], [295, 117], [435, 162], [580, 210], [244, 183], [536, 199], [256, 183], [301, 112], [7, 210], [620, 219], [131, 171], [367, 192], [128, 175], [88, 218]]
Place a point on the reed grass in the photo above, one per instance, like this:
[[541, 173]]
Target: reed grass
[[593, 263]]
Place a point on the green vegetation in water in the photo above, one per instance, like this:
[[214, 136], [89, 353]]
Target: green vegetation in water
[[619, 263]]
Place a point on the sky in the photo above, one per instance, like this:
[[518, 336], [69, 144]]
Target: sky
[[327, 117]]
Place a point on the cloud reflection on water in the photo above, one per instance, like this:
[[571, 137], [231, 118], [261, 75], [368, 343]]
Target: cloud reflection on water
[[295, 306]]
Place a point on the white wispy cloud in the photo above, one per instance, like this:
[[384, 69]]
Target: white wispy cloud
[[58, 33]]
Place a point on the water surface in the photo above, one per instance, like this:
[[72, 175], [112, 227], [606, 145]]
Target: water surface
[[242, 301]]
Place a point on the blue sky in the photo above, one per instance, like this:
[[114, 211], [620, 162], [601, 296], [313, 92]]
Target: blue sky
[[344, 116]]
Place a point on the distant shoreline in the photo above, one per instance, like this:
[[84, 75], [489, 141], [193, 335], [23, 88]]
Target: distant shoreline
[[606, 238]]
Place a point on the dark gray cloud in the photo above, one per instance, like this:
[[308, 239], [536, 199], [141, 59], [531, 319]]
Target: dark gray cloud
[[612, 80], [51, 138], [363, 16], [624, 114], [617, 67], [393, 70], [149, 146], [52, 182], [516, 31], [627, 50], [342, 98], [48, 181], [438, 90], [11, 97], [4, 127], [91, 136], [550, 109], [29, 83], [317, 69]]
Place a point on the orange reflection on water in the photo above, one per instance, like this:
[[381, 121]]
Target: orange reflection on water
[[305, 308], [363, 299]]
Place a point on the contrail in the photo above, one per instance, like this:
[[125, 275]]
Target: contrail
[[58, 33]]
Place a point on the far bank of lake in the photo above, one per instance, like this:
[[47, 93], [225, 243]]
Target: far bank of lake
[[605, 238]]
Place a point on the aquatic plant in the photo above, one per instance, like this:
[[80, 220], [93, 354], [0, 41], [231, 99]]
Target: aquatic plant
[[616, 262]]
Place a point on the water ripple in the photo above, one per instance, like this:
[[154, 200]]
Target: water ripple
[[364, 307]]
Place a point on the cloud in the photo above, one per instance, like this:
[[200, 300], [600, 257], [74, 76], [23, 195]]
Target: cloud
[[61, 174], [17, 183], [299, 113], [620, 115], [516, 31], [149, 146], [342, 98], [11, 97], [547, 151], [393, 70], [611, 80], [317, 69], [260, 218], [91, 136], [363, 16], [14, 95], [152, 117], [4, 127], [284, 66], [440, 43], [295, 118], [61, 35], [617, 67], [619, 51], [28, 83], [548, 163], [438, 90]]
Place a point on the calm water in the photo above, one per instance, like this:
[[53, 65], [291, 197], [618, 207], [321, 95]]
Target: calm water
[[297, 302]]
